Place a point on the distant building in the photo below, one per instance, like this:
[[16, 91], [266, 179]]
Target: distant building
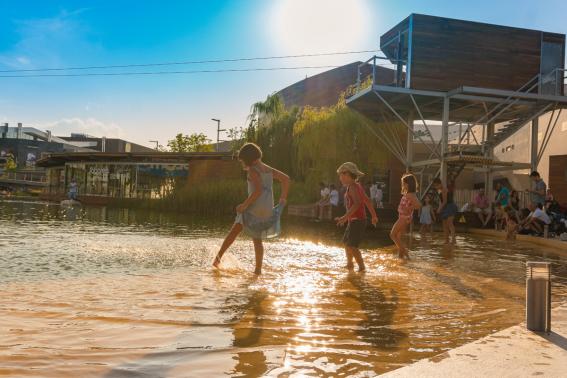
[[102, 177], [105, 144], [27, 144], [325, 88]]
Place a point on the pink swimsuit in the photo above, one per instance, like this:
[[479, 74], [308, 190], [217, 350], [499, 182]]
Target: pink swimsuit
[[405, 209]]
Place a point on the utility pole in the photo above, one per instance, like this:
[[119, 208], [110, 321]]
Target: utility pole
[[156, 142], [218, 132]]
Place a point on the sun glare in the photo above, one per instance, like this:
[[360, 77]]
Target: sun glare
[[311, 26]]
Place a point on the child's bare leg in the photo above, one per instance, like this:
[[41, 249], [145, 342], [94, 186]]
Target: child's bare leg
[[230, 238], [349, 257], [355, 252], [451, 227], [396, 236], [259, 252], [446, 230]]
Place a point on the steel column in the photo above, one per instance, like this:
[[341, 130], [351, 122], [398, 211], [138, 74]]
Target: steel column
[[444, 139], [534, 144]]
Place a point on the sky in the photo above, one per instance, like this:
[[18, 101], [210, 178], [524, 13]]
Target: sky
[[142, 108]]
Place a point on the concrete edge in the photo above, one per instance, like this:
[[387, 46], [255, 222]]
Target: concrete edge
[[559, 246]]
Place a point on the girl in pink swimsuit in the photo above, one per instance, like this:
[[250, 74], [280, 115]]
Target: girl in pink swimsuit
[[408, 204]]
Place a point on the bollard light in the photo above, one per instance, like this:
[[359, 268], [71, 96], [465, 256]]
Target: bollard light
[[538, 296]]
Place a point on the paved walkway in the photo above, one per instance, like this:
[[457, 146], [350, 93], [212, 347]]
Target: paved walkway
[[513, 352]]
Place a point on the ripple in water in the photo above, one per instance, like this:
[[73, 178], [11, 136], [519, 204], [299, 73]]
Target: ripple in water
[[118, 293]]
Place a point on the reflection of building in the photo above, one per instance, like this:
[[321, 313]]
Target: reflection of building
[[102, 176]]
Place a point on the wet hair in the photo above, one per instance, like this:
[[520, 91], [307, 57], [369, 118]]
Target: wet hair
[[534, 174], [411, 181], [333, 186], [539, 205], [249, 153]]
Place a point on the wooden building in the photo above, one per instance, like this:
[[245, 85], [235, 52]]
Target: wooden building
[[478, 82], [443, 54]]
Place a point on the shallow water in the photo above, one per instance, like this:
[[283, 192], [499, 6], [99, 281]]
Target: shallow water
[[116, 293]]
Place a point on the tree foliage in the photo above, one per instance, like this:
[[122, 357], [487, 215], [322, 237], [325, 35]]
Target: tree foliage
[[310, 143], [190, 143]]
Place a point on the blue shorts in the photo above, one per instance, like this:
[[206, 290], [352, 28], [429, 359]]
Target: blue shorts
[[449, 210]]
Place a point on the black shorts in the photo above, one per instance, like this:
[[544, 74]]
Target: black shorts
[[354, 233]]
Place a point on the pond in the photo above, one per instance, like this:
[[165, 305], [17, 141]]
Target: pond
[[120, 293]]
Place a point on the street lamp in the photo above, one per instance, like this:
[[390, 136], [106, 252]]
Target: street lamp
[[156, 142], [218, 132]]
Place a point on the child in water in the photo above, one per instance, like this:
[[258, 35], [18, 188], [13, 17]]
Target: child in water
[[257, 215], [355, 202], [426, 215], [408, 203]]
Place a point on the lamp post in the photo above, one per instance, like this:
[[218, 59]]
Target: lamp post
[[156, 142], [218, 132]]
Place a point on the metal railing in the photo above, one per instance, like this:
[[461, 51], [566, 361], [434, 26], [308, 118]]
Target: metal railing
[[35, 177]]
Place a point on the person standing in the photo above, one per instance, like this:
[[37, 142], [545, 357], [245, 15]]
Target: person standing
[[379, 196], [408, 203], [355, 217], [447, 210], [537, 194], [73, 190], [257, 215]]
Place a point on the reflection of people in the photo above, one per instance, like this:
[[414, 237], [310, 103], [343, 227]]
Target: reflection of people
[[355, 201], [73, 189], [408, 203], [257, 214]]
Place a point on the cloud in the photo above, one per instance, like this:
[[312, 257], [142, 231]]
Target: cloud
[[90, 126]]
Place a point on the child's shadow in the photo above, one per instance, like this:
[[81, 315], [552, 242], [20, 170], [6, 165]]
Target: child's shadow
[[376, 328]]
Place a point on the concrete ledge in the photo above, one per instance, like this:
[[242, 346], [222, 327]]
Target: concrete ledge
[[557, 244], [513, 352]]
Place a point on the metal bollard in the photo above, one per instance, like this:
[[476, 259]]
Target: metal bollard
[[538, 296]]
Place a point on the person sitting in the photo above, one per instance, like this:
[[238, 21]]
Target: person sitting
[[334, 199], [482, 207], [499, 216], [536, 220]]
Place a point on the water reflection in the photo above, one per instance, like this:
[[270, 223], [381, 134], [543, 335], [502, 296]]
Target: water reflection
[[377, 329], [126, 293]]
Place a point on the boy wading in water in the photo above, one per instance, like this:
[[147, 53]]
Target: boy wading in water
[[408, 203], [257, 215], [355, 217]]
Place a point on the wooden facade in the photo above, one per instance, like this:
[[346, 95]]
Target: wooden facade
[[558, 177], [443, 54]]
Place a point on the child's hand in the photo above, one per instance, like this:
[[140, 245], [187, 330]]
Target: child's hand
[[374, 221], [240, 208], [340, 221]]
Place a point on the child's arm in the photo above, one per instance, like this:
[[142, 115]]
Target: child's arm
[[284, 181], [415, 202], [357, 202], [370, 208], [257, 183]]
